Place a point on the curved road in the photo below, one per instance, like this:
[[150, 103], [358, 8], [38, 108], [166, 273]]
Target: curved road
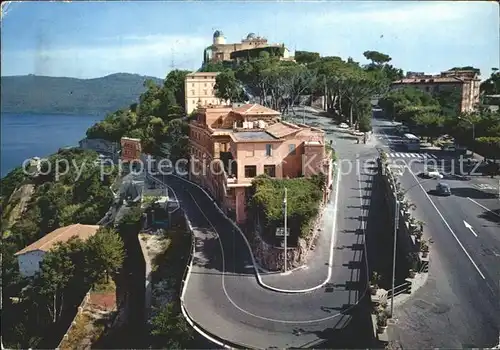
[[223, 295]]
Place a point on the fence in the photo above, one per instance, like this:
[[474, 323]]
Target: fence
[[80, 309]]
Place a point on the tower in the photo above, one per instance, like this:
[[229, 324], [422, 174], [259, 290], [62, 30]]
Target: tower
[[219, 38]]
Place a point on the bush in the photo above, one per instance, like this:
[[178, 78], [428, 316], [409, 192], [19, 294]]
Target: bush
[[304, 197]]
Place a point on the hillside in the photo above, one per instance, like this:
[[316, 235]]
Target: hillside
[[61, 95]]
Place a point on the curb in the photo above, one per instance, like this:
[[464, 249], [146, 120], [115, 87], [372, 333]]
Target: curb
[[255, 265], [184, 312]]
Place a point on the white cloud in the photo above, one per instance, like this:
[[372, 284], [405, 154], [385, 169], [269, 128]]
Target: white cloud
[[133, 48], [415, 14], [151, 54]]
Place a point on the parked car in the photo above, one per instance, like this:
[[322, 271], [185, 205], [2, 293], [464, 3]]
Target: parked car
[[396, 169], [343, 126], [432, 173], [450, 148], [443, 189]]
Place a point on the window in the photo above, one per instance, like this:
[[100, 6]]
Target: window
[[205, 84], [291, 149], [192, 92], [270, 170], [205, 77], [269, 149], [250, 171], [205, 92], [192, 84]]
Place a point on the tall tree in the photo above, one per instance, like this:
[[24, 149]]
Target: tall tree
[[227, 86], [105, 253]]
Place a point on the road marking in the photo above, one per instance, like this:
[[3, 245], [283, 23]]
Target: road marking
[[446, 223], [482, 206], [470, 228], [223, 275], [484, 186]]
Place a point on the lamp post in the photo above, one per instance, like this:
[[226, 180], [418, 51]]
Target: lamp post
[[285, 226], [394, 247]]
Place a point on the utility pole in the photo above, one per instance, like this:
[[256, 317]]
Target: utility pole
[[286, 230], [396, 224]]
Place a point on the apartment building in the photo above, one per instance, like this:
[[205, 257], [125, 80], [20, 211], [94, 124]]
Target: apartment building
[[467, 82], [199, 90], [231, 145]]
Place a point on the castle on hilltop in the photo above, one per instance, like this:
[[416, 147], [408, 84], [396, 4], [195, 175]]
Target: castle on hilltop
[[251, 46]]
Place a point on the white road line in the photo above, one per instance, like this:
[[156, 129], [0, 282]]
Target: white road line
[[418, 155], [433, 156], [482, 206], [392, 155], [446, 223], [398, 155]]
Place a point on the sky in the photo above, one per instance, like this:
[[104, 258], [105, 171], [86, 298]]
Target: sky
[[93, 39]]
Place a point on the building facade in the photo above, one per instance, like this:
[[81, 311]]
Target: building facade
[[465, 82], [199, 90], [30, 258], [231, 145], [101, 146], [221, 51]]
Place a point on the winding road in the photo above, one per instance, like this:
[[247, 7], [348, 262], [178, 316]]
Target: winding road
[[229, 299]]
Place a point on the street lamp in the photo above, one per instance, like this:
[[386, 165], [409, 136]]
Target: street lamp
[[395, 233]]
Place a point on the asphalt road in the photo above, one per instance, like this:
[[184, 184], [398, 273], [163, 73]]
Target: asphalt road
[[224, 297], [459, 305]]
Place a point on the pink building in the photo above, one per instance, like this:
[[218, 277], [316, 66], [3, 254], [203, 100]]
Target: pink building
[[229, 146]]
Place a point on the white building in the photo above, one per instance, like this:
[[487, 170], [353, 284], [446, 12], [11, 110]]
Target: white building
[[31, 257]]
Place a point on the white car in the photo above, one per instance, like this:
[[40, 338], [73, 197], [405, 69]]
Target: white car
[[433, 173], [397, 170], [343, 126]]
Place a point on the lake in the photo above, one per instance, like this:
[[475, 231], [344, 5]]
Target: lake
[[29, 135]]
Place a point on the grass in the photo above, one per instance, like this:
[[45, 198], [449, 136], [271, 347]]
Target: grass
[[103, 286]]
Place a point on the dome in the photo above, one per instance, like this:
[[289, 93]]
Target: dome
[[250, 36], [218, 33]]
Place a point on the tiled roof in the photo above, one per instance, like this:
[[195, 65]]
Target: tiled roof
[[62, 234], [254, 109], [280, 130]]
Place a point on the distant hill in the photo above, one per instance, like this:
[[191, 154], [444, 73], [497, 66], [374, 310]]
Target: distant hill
[[60, 95]]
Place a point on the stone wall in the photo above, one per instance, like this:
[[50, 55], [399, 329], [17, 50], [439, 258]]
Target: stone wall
[[272, 258]]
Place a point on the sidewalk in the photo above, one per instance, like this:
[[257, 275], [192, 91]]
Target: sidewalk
[[315, 273]]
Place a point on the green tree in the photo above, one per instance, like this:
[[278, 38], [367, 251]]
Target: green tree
[[57, 270], [376, 57], [170, 330], [105, 253], [365, 123], [227, 86], [306, 57]]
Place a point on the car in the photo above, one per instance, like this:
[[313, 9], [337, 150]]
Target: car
[[443, 189], [396, 169], [343, 126], [432, 173], [450, 148]]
